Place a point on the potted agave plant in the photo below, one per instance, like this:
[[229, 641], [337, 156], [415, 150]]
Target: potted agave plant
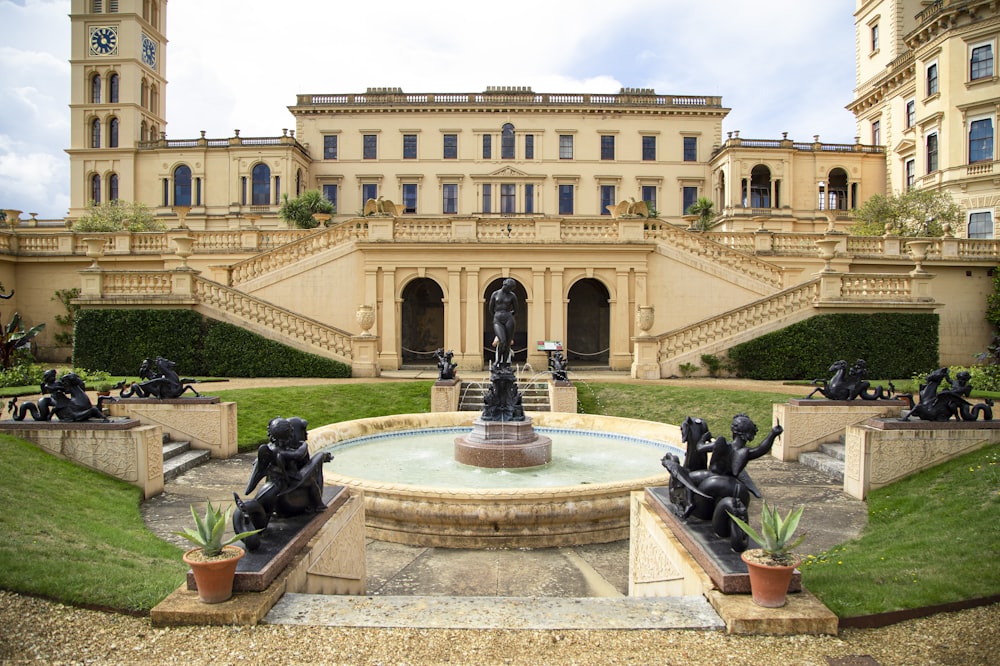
[[771, 565], [213, 561]]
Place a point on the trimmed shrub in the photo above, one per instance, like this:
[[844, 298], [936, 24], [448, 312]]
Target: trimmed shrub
[[118, 341], [895, 345]]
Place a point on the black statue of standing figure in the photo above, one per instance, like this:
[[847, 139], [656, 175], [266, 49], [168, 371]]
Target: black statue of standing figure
[[850, 383], [446, 367], [66, 398], [158, 380], [558, 366], [723, 487], [947, 404], [294, 479], [503, 306]]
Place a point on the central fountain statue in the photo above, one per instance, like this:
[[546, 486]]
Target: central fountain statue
[[502, 436]]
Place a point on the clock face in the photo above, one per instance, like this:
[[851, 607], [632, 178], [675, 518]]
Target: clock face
[[103, 40], [149, 52]]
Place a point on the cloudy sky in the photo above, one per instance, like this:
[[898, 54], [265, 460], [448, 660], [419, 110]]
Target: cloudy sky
[[780, 65]]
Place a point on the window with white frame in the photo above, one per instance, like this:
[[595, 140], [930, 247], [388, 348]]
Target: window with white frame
[[932, 79], [932, 152], [409, 198], [981, 61], [876, 133], [330, 194], [607, 198], [981, 139], [449, 198], [980, 224], [875, 38], [909, 173], [910, 112], [565, 146], [450, 147]]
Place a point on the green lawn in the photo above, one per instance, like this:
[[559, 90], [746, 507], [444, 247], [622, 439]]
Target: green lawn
[[77, 535]]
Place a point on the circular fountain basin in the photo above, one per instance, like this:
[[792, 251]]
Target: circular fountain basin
[[496, 508]]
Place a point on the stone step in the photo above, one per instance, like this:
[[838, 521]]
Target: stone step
[[821, 462], [178, 464], [172, 449], [833, 449]]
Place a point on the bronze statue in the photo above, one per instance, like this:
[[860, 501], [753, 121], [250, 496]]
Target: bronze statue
[[558, 366], [712, 489], [158, 379], [848, 384], [446, 367], [947, 404], [503, 305], [66, 398], [294, 480]]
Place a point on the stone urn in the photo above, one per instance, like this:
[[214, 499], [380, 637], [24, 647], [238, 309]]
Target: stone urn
[[918, 251], [644, 318], [366, 318], [182, 212], [13, 217], [95, 250], [185, 248], [827, 251]]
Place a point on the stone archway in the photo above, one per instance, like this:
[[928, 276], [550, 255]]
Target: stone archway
[[520, 344], [421, 321], [588, 323]]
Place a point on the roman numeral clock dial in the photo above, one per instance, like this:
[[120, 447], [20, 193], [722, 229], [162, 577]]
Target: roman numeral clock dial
[[103, 40], [148, 51]]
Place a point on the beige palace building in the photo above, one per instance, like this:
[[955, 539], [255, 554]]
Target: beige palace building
[[511, 182]]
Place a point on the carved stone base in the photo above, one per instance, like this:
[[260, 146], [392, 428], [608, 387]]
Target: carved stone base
[[503, 444], [809, 423], [206, 422]]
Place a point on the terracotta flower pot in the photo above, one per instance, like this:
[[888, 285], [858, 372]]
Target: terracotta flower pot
[[214, 578], [768, 583]]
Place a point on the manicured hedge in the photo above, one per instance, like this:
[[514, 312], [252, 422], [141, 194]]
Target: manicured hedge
[[895, 346], [118, 341]]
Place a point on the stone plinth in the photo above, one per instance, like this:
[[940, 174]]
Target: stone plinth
[[658, 565], [124, 448], [562, 397], [205, 422], [503, 444], [445, 394], [880, 451], [809, 423], [646, 352], [330, 561]]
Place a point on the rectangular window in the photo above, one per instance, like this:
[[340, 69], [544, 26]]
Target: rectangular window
[[409, 146], [409, 197], [529, 146], [932, 79], [981, 140], [487, 198], [875, 37], [981, 224], [565, 146], [507, 198], [450, 147], [330, 147], [649, 196], [876, 133], [449, 198], [932, 152], [909, 169], [649, 148], [566, 199], [243, 191], [487, 146], [330, 194], [370, 146], [197, 191], [529, 198], [607, 147], [368, 191], [690, 196], [690, 149], [607, 198], [277, 190], [911, 113], [981, 65]]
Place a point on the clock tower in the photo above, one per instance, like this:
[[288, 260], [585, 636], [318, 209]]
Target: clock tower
[[117, 95]]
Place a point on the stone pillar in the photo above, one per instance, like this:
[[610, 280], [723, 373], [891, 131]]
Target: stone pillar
[[646, 358], [364, 356], [562, 397], [471, 356], [379, 229], [389, 332], [557, 310], [536, 321], [631, 229], [91, 283], [453, 312], [445, 394], [619, 357]]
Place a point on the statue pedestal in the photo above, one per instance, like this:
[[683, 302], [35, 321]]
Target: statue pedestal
[[503, 444], [809, 423], [208, 424], [646, 358], [562, 397], [445, 394]]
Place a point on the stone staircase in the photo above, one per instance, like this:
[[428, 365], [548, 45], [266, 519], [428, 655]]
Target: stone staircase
[[179, 457], [829, 459], [534, 396]]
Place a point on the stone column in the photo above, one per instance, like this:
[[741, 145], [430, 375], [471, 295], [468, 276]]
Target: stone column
[[453, 312], [471, 356], [620, 357], [536, 321], [389, 331], [557, 310]]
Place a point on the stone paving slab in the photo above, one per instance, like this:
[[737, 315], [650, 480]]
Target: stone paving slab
[[423, 612]]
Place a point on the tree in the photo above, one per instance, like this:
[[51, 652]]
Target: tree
[[118, 215], [704, 208], [299, 211], [913, 213], [15, 338]]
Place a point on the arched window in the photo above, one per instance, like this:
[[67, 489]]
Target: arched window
[[154, 99], [837, 189], [143, 131], [760, 187], [298, 182], [113, 187], [261, 188], [144, 94], [113, 88], [507, 142], [95, 133], [95, 89], [113, 133], [95, 188], [182, 185]]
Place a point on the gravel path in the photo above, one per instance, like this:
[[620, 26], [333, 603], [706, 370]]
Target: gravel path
[[40, 632]]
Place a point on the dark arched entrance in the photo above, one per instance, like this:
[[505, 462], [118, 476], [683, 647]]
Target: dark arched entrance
[[422, 321], [520, 328], [588, 323]]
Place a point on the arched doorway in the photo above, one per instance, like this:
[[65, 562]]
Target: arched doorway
[[588, 323], [520, 345], [421, 321]]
